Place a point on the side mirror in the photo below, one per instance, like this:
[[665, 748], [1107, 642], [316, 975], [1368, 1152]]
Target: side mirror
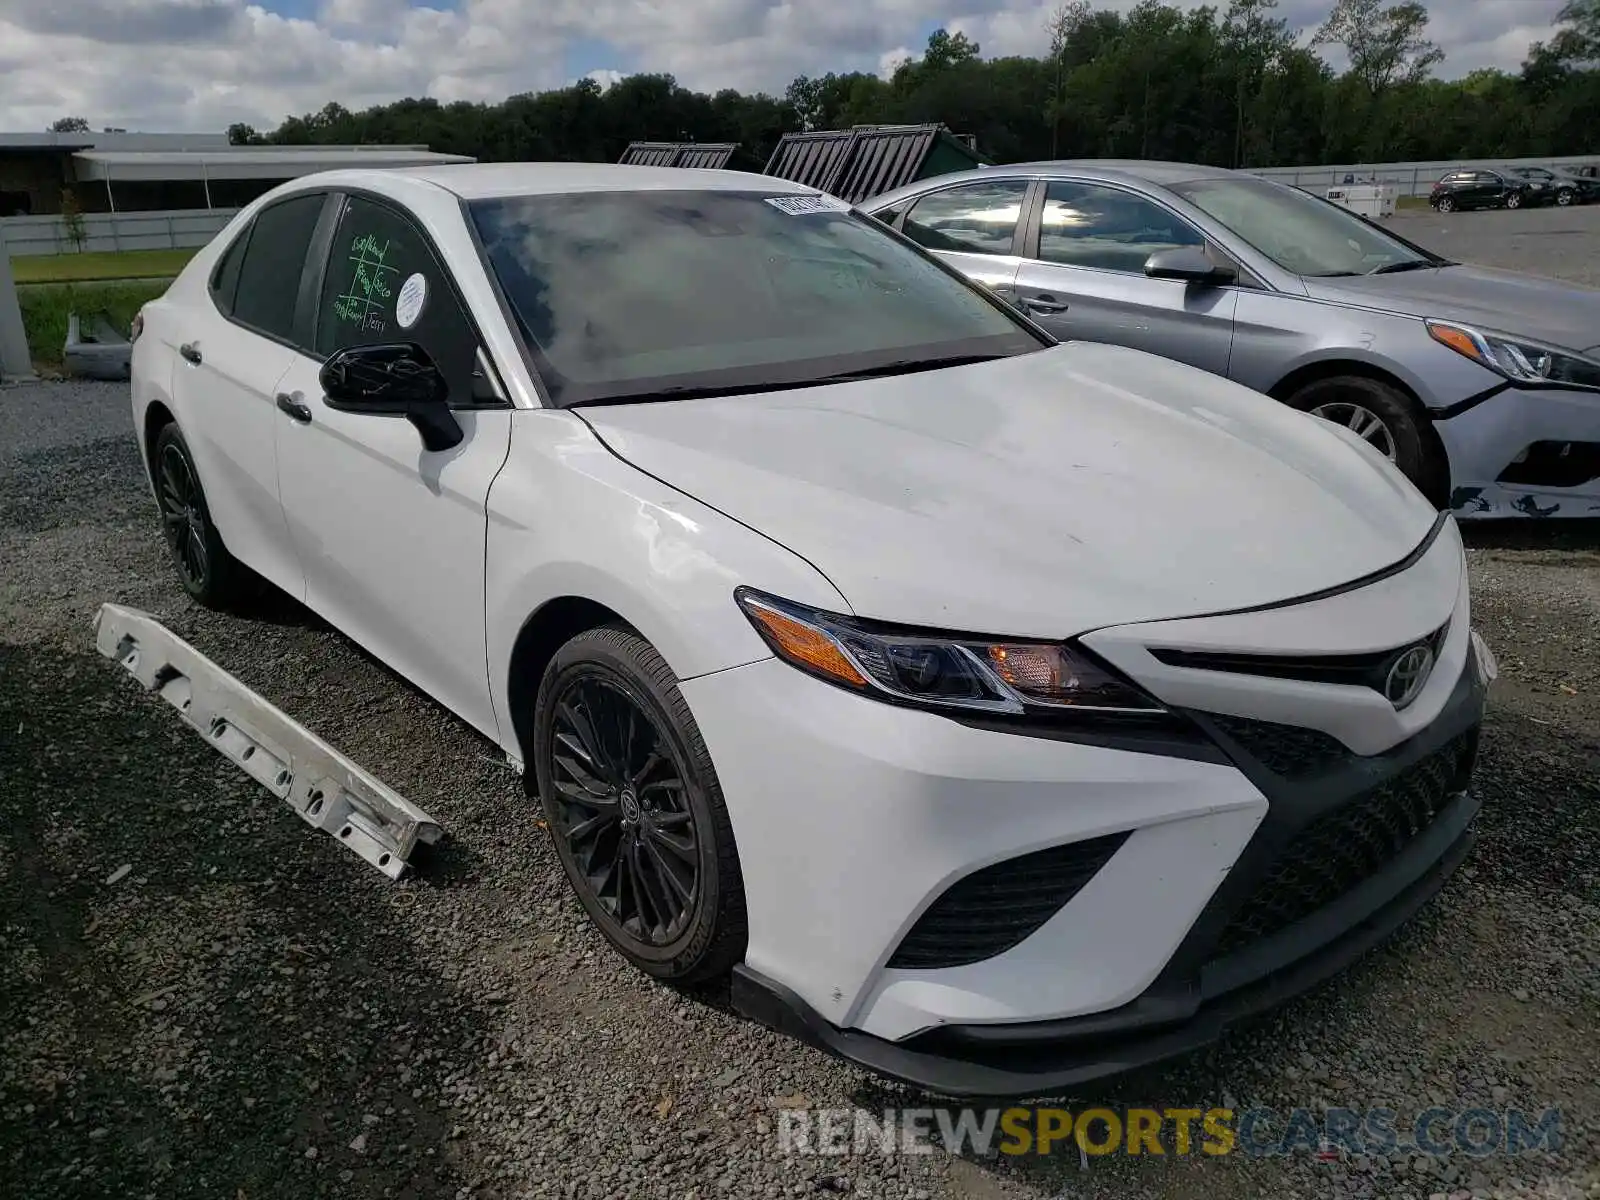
[[393, 379], [1188, 263]]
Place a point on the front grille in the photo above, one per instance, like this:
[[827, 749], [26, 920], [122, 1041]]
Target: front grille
[[994, 909], [1292, 751], [1349, 844], [1369, 669]]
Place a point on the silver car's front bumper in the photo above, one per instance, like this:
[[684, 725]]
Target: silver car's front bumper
[[1517, 453]]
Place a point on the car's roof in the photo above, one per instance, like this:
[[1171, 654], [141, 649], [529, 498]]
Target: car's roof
[[1163, 173], [477, 181], [1108, 170]]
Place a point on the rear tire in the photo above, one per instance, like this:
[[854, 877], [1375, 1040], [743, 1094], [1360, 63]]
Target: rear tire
[[632, 802], [1383, 416], [1564, 197], [1514, 200], [205, 568]]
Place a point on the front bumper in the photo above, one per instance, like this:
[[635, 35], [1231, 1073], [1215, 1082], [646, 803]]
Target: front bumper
[[1216, 977], [1227, 867], [1555, 432]]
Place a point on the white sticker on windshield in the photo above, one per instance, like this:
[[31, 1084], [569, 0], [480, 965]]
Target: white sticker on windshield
[[805, 206], [413, 293]]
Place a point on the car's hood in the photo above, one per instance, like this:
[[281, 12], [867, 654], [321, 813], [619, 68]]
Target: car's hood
[[1544, 310], [1042, 495]]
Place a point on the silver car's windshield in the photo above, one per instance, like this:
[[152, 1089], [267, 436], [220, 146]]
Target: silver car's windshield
[[1300, 232], [627, 296]]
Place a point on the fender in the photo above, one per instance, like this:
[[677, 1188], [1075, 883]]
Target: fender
[[567, 517]]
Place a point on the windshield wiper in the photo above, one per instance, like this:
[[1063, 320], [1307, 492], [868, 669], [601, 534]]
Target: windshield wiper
[[1411, 264], [694, 391], [906, 366]]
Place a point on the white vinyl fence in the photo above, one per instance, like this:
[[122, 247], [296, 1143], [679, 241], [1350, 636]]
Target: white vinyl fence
[[1407, 178], [177, 229]]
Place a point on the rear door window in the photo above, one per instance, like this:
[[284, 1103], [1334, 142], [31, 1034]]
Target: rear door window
[[975, 218], [272, 263]]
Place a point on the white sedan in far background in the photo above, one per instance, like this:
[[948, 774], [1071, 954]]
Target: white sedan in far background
[[999, 713]]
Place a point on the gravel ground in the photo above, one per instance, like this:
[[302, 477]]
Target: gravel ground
[[202, 998]]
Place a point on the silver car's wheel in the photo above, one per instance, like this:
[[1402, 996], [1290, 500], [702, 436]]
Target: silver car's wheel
[[1362, 422]]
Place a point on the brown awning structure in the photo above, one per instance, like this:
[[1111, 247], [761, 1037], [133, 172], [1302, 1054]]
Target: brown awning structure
[[867, 160], [713, 156]]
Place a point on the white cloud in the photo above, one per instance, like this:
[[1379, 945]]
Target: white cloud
[[201, 64], [889, 60]]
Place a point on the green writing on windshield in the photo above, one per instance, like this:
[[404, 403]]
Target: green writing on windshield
[[371, 284]]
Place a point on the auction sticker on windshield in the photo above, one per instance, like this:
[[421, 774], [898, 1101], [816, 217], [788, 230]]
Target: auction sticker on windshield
[[802, 206]]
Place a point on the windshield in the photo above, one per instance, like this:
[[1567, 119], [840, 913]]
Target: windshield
[[1300, 232], [660, 294]]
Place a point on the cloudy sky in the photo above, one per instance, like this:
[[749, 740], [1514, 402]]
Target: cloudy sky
[[202, 64]]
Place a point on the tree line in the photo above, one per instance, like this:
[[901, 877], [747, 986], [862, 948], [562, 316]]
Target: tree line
[[1233, 86]]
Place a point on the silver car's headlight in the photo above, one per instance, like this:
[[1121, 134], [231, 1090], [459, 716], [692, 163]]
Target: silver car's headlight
[[1517, 358], [933, 671]]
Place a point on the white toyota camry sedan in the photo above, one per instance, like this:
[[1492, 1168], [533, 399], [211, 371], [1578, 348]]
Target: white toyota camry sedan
[[999, 713]]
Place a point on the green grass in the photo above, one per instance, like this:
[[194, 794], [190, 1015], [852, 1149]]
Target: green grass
[[1410, 202], [77, 268], [45, 309]]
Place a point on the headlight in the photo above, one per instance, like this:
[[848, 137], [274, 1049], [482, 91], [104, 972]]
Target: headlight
[[1523, 361], [931, 671]]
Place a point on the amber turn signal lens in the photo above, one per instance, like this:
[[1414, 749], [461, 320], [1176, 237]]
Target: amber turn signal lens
[[801, 644], [1458, 340]]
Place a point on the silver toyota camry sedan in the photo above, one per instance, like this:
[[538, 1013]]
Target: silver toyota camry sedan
[[1483, 386]]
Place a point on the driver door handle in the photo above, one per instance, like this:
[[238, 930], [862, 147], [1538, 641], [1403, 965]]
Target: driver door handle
[[1045, 304], [190, 352], [296, 408]]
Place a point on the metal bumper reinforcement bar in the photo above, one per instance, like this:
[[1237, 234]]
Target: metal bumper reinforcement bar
[[325, 788]]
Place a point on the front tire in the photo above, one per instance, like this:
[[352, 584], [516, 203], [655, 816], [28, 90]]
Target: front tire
[[1383, 416], [1514, 200], [633, 804], [1564, 197], [205, 568], [1446, 204]]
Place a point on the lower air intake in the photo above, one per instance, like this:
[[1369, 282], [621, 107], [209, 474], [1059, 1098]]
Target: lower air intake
[[1349, 844], [994, 909]]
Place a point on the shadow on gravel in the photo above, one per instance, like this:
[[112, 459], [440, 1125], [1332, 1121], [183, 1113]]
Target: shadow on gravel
[[1577, 533], [239, 1015]]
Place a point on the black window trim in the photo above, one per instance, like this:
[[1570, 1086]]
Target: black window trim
[[317, 265]]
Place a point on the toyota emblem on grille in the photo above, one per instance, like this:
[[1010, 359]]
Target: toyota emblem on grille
[[1407, 676]]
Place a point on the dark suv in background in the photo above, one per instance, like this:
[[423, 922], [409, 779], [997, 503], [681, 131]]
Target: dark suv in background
[[1476, 187]]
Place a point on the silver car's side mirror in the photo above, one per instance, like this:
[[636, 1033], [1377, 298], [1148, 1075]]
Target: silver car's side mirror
[[1189, 263]]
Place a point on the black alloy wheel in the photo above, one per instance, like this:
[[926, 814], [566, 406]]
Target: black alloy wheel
[[205, 568], [183, 516], [632, 803], [620, 795]]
